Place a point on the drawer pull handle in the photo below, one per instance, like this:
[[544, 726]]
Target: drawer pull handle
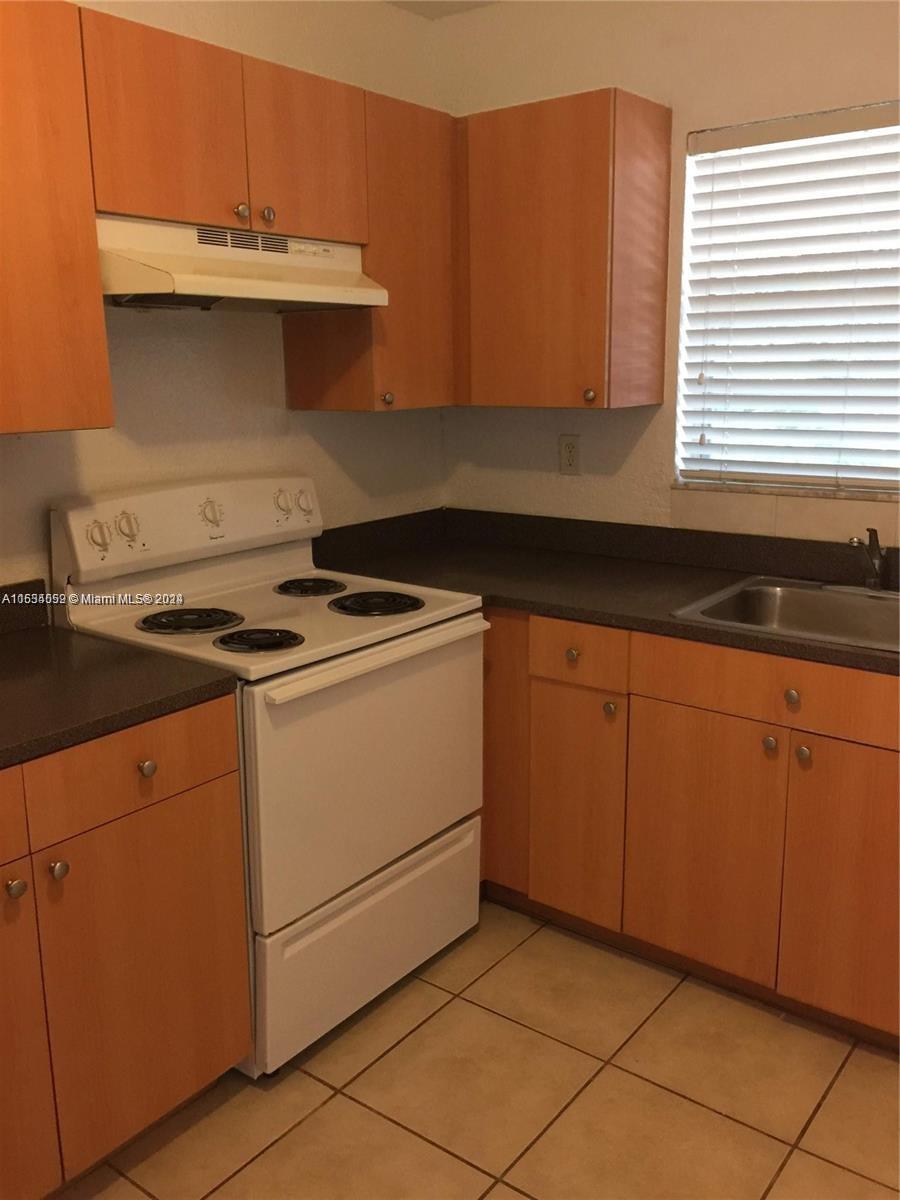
[[147, 768], [804, 754], [16, 888], [573, 654], [770, 744], [610, 708], [792, 696], [387, 398], [59, 869]]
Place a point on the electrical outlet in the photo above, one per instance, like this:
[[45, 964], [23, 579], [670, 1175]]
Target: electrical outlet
[[569, 454]]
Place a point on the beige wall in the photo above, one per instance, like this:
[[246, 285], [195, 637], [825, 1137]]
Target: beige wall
[[202, 394]]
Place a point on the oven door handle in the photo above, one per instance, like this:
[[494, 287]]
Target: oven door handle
[[373, 658]]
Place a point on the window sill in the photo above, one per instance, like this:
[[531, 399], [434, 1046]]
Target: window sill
[[778, 489]]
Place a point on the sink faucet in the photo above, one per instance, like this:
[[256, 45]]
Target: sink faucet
[[876, 561]]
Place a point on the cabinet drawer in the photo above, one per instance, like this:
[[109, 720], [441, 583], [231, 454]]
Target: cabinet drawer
[[573, 652], [87, 785], [13, 827], [860, 706]]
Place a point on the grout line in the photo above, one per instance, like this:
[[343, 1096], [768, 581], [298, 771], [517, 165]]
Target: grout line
[[134, 1183], [524, 1025], [778, 1170], [850, 1170], [502, 958]]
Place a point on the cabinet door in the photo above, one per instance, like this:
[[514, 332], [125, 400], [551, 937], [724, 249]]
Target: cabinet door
[[54, 369], [539, 227], [306, 153], [504, 822], [703, 855], [29, 1152], [167, 123], [578, 756], [144, 947], [839, 930]]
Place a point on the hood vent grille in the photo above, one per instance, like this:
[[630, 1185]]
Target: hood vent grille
[[241, 239]]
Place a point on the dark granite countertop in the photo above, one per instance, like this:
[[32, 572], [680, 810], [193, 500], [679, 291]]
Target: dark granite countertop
[[58, 688], [629, 593]]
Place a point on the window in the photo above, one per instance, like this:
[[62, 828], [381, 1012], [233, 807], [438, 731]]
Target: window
[[789, 367]]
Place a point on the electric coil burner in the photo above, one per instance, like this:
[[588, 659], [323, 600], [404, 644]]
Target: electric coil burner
[[255, 641], [310, 587], [376, 604], [189, 620]]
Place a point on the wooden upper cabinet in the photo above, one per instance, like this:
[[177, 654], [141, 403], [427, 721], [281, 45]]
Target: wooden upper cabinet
[[306, 153], [54, 368], [704, 844], [568, 203], [167, 123], [400, 356], [29, 1151], [839, 927]]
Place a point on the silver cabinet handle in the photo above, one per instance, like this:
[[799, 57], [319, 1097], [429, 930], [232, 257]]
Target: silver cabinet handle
[[573, 654], [610, 708], [268, 213], [16, 888], [770, 744], [242, 211], [59, 869], [804, 754], [387, 398], [792, 696], [147, 768], [589, 395]]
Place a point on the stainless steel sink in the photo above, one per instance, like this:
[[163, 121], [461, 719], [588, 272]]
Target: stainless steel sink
[[791, 608]]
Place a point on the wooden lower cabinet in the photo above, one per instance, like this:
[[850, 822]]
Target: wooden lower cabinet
[[839, 925], [29, 1150], [144, 952], [579, 740], [504, 821], [703, 856]]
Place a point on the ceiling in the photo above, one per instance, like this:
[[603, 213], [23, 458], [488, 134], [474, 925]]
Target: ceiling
[[434, 10]]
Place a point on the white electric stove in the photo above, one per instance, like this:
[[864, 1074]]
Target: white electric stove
[[359, 705]]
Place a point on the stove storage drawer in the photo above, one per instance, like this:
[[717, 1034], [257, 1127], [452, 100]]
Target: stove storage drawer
[[318, 971], [87, 785]]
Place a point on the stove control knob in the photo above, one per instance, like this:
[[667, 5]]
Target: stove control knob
[[283, 502], [211, 513], [127, 525], [99, 535], [304, 503]]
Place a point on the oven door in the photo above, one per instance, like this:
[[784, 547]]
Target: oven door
[[354, 762]]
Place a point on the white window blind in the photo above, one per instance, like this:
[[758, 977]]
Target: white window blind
[[790, 335]]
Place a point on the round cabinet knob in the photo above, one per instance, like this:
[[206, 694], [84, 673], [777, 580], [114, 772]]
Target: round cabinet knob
[[387, 398], [283, 502], [99, 535], [589, 395], [770, 744], [610, 708], [573, 654], [242, 211], [16, 888], [304, 503], [127, 525], [804, 754], [210, 512], [59, 869], [792, 697], [268, 214], [147, 768]]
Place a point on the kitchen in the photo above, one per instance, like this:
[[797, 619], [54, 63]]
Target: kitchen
[[687, 814]]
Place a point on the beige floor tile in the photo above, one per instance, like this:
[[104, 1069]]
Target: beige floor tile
[[345, 1152], [192, 1151], [624, 1139], [502, 1192], [807, 1178], [358, 1042], [742, 1058], [101, 1184], [499, 931], [574, 990], [857, 1124], [475, 1083]]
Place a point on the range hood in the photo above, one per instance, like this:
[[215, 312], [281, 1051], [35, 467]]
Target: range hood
[[159, 264]]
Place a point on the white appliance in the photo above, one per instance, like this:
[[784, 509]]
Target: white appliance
[[154, 264], [360, 708]]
